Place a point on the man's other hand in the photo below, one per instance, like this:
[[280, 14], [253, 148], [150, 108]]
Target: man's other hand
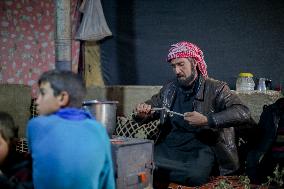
[[195, 118]]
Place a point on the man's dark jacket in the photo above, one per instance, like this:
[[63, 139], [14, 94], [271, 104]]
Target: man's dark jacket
[[224, 111]]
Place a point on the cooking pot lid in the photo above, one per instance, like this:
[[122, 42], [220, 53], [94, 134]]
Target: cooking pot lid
[[87, 102]]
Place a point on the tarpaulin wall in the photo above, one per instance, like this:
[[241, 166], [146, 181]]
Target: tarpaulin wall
[[235, 36]]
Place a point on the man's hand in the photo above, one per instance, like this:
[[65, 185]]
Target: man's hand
[[143, 110], [195, 118]]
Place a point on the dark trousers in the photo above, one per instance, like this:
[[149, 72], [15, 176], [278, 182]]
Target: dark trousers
[[189, 168]]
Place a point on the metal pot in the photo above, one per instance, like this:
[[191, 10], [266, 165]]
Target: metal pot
[[104, 112]]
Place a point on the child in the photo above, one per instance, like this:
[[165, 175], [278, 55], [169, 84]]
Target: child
[[69, 148], [15, 167]]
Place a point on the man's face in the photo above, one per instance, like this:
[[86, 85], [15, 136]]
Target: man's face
[[185, 70], [46, 102]]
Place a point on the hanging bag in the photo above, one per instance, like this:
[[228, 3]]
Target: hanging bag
[[93, 26]]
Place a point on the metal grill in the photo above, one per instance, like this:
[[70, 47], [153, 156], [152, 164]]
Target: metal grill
[[127, 127]]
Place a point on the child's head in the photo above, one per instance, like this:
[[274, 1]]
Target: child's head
[[8, 133], [59, 89]]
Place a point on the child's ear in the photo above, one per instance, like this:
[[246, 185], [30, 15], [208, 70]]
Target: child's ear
[[63, 99]]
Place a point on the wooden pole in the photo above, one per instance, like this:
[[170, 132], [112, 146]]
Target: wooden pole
[[63, 35]]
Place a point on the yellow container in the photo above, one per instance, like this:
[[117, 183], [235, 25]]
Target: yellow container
[[245, 82], [246, 74]]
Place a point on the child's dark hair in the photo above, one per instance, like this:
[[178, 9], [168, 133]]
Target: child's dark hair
[[8, 129], [65, 81]]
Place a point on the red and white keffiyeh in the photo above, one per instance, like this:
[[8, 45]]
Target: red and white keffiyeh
[[185, 49]]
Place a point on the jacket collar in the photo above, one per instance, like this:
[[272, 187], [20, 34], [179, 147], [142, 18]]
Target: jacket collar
[[200, 92]]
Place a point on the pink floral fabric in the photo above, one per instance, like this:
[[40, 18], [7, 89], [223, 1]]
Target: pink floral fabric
[[27, 40]]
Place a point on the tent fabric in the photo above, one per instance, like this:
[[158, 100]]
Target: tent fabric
[[235, 36]]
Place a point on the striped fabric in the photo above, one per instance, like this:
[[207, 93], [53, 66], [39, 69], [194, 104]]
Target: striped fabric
[[185, 49]]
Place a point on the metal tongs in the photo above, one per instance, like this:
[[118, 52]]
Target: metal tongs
[[169, 112]]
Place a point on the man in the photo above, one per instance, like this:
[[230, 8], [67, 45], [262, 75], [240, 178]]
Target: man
[[190, 143]]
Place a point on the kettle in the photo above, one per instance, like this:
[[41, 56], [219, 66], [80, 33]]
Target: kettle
[[104, 112]]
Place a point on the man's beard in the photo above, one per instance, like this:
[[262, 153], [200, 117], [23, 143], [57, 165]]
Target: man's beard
[[187, 81]]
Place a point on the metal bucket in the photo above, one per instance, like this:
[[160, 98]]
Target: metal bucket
[[104, 112]]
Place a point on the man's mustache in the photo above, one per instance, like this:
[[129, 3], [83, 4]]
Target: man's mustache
[[179, 76]]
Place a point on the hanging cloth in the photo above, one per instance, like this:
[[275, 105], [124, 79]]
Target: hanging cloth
[[93, 26]]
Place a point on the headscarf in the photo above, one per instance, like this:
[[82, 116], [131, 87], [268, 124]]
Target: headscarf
[[185, 49]]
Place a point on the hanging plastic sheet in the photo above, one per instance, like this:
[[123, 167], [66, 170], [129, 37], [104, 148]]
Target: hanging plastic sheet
[[93, 26]]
